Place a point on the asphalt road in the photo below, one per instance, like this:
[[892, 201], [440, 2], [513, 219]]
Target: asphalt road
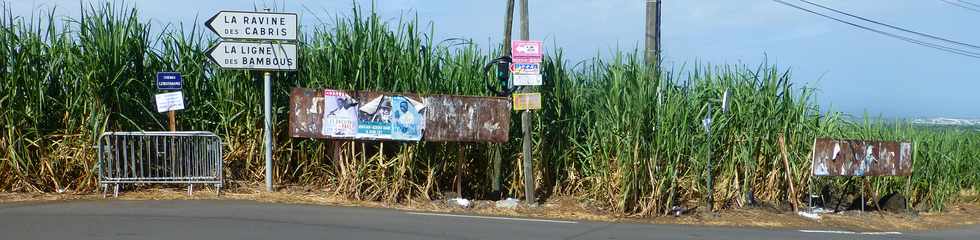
[[238, 220]]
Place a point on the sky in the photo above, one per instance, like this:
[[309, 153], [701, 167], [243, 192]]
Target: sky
[[856, 71]]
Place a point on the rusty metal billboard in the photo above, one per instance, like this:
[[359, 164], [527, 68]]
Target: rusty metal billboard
[[446, 118], [832, 157]]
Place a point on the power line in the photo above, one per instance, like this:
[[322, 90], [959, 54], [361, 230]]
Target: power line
[[892, 26], [904, 38], [969, 3], [962, 5]]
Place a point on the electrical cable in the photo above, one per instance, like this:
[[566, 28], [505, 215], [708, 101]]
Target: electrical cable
[[907, 39], [892, 26], [969, 3], [958, 4]]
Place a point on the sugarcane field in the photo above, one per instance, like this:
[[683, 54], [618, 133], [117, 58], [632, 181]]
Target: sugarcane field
[[507, 119]]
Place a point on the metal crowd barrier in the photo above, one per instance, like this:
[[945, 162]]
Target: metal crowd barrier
[[159, 157]]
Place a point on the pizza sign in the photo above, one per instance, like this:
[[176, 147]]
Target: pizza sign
[[525, 68]]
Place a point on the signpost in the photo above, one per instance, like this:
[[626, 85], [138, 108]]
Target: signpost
[[706, 123], [265, 52], [526, 51], [526, 68], [174, 101]]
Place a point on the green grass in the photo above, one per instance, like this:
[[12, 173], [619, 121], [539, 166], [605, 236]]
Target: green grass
[[615, 132]]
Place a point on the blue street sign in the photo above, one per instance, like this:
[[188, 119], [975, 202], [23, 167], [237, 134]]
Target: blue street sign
[[169, 81]]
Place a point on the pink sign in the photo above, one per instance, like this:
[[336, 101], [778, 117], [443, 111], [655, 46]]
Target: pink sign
[[526, 49], [526, 60]]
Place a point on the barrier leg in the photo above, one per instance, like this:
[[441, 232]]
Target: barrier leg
[[105, 188], [809, 192], [908, 181], [115, 193], [190, 189], [862, 196]]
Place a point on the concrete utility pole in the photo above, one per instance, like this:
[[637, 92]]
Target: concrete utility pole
[[653, 31], [526, 121]]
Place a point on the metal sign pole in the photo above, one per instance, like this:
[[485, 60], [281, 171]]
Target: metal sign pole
[[255, 54], [707, 121], [711, 189], [267, 92]]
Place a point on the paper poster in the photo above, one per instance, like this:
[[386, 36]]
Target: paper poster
[[527, 80], [527, 101], [408, 119], [170, 101], [374, 119], [340, 114]]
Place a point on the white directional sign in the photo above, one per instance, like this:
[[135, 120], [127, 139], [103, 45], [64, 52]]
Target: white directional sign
[[256, 56], [254, 25]]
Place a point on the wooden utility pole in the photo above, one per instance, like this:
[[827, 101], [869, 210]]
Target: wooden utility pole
[[526, 121], [789, 173], [508, 26], [508, 30], [653, 31]]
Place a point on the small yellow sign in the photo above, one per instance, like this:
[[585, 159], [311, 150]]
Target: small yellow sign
[[527, 101]]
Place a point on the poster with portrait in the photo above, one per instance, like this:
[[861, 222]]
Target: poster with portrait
[[408, 119], [374, 119], [340, 115]]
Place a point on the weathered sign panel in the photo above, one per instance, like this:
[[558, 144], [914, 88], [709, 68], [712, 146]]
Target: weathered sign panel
[[467, 119], [397, 116], [306, 110], [832, 157]]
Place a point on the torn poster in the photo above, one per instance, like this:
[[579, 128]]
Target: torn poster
[[409, 120], [374, 119], [340, 115]]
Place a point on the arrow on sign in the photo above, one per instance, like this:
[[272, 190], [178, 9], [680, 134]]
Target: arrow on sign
[[254, 25], [254, 56]]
